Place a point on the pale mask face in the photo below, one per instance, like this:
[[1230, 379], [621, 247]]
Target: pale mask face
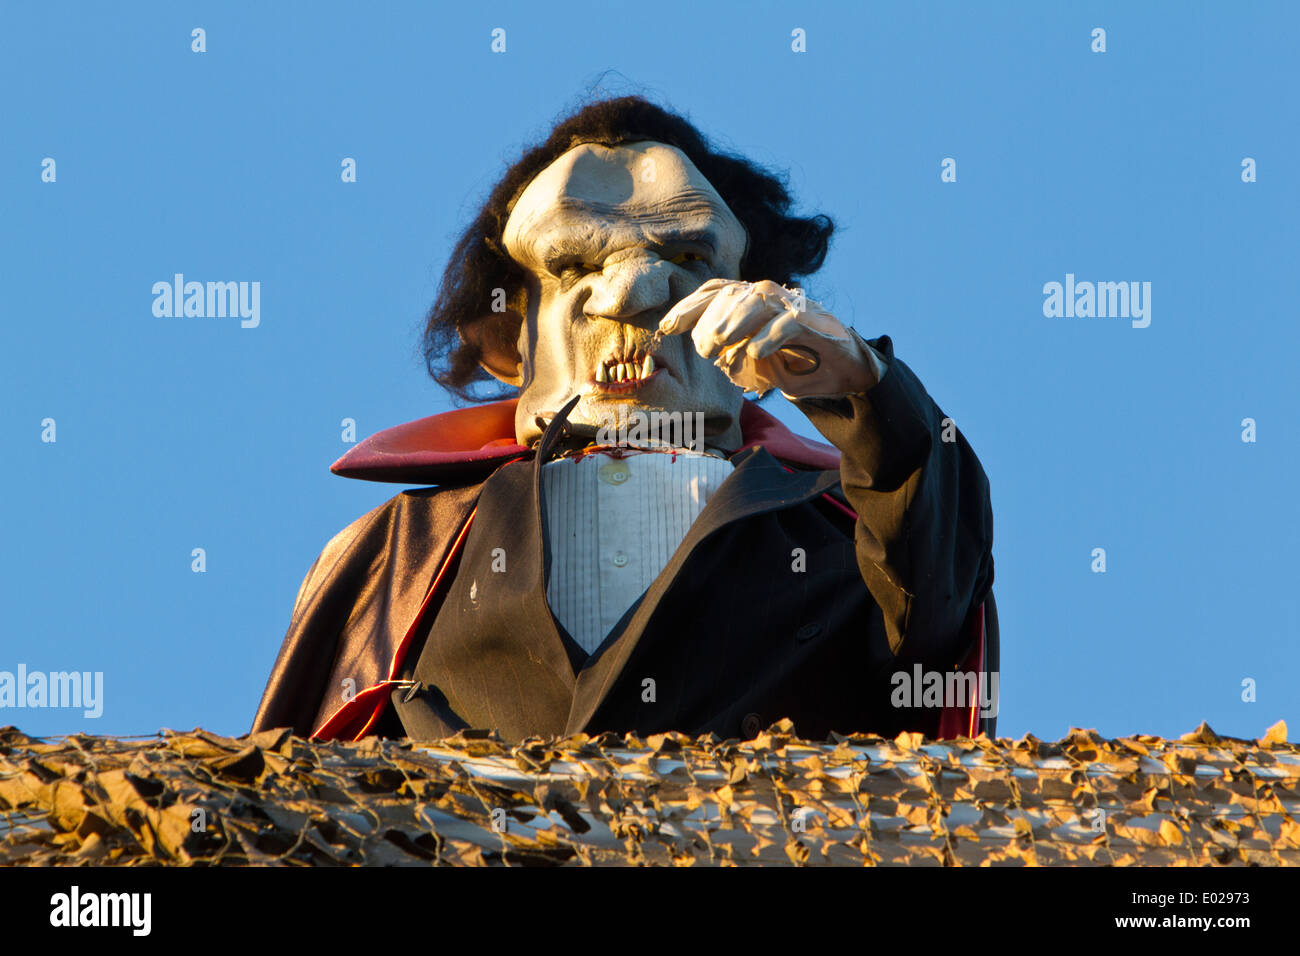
[[613, 239]]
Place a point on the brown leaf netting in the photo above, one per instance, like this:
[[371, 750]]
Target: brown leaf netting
[[274, 799]]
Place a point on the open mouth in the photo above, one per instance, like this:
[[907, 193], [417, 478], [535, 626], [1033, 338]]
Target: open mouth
[[627, 372]]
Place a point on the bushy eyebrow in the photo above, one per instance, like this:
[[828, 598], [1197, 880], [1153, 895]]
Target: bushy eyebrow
[[695, 237], [560, 242]]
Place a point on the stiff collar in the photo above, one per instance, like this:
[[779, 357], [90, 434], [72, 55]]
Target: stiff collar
[[470, 443]]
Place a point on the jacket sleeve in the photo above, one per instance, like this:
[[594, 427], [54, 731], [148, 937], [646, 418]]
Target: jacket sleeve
[[924, 534]]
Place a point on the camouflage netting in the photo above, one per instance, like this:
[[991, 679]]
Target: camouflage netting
[[196, 798]]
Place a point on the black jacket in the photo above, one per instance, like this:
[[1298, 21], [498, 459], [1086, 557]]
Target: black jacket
[[777, 604]]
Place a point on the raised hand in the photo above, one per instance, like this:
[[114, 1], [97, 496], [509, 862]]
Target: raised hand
[[765, 336]]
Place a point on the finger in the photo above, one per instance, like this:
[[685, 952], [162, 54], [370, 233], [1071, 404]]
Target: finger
[[731, 359], [714, 284], [708, 332], [746, 317], [775, 335], [745, 372], [771, 289], [688, 303], [683, 316], [730, 321]]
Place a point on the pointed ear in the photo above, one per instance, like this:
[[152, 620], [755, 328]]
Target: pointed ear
[[495, 340]]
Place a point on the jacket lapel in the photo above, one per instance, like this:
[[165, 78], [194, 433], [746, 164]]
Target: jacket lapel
[[494, 656]]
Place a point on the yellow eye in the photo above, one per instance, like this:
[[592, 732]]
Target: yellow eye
[[682, 258]]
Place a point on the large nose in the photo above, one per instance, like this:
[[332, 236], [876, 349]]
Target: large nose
[[630, 285]]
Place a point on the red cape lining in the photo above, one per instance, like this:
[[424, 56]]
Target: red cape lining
[[482, 437]]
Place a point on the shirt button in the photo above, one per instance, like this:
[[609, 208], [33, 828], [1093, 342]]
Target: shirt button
[[620, 559], [614, 472]]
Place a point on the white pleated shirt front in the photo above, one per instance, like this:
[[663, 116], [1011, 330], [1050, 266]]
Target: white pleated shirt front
[[614, 523]]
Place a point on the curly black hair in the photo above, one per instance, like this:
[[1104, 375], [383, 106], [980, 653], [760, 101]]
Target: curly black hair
[[781, 246]]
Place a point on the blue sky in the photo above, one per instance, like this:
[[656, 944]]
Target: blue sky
[[174, 434]]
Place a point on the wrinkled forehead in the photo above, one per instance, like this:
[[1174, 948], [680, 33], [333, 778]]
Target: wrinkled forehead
[[598, 197]]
